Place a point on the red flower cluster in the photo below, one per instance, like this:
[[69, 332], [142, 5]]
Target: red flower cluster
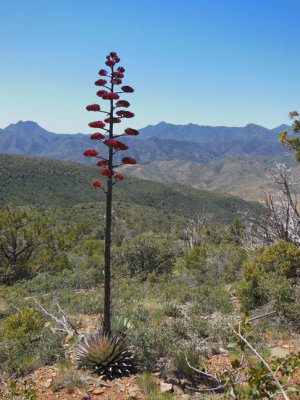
[[100, 93], [107, 172], [97, 124], [100, 82], [128, 160], [90, 153], [102, 163], [117, 74], [93, 107], [112, 59], [116, 81], [125, 114], [116, 144], [122, 146], [119, 177], [127, 89], [122, 103], [110, 96], [114, 77], [96, 136], [111, 142], [97, 183], [114, 120], [132, 132], [102, 72]]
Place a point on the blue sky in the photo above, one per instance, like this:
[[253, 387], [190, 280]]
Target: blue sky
[[217, 62]]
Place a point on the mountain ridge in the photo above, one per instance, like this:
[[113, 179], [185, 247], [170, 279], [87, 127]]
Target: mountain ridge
[[155, 143]]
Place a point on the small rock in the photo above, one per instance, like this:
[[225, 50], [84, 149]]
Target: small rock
[[185, 397], [279, 352], [119, 385], [83, 395], [47, 384], [166, 387], [98, 390]]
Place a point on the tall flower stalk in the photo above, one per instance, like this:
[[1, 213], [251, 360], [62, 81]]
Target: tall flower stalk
[[111, 80]]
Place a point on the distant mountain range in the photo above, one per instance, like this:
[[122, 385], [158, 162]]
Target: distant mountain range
[[161, 142], [228, 159]]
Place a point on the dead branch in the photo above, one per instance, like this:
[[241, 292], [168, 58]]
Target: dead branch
[[272, 374], [62, 324], [263, 315], [220, 386]]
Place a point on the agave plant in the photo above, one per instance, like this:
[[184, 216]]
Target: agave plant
[[106, 355], [118, 325]]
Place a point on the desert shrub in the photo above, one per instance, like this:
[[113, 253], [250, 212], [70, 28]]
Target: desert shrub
[[181, 368], [30, 243], [21, 355], [27, 322], [145, 254], [15, 390], [152, 339], [214, 262], [272, 277], [70, 380], [72, 302], [146, 382], [77, 277], [209, 299], [171, 309]]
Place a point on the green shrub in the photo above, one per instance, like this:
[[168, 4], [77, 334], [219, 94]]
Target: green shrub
[[272, 277], [146, 382], [24, 354], [70, 380], [214, 262], [30, 243], [27, 322], [182, 370], [146, 254], [209, 299]]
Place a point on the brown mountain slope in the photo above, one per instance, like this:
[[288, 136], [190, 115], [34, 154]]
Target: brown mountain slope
[[241, 175]]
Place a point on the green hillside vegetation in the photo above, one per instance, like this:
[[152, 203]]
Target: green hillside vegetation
[[46, 182], [176, 284], [170, 301]]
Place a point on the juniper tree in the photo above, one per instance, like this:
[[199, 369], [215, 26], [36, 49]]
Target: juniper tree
[[292, 143]]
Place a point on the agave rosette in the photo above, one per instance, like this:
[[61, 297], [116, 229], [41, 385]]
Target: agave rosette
[[106, 355]]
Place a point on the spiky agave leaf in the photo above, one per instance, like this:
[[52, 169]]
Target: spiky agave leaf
[[106, 355], [118, 325]]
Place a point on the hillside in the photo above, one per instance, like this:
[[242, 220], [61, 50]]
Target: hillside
[[231, 160], [38, 181], [240, 175]]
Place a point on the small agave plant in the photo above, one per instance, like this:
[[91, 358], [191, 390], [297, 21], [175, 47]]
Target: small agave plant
[[106, 355], [118, 325]]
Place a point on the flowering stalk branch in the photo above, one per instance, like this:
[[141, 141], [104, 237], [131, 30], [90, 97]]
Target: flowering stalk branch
[[107, 163]]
